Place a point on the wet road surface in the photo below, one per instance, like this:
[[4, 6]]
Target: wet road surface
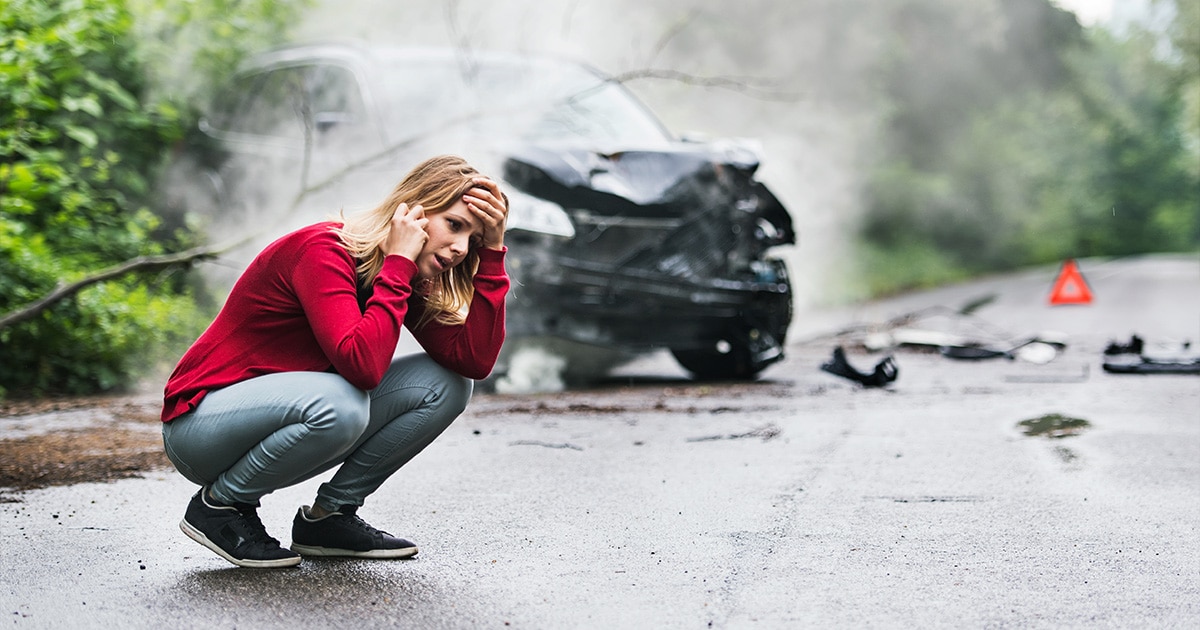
[[799, 500]]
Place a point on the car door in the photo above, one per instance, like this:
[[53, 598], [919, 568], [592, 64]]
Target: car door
[[292, 137], [343, 141]]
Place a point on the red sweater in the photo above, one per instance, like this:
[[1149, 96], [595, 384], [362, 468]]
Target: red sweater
[[295, 308]]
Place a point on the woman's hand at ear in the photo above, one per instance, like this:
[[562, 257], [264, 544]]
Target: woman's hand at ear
[[491, 207], [407, 236]]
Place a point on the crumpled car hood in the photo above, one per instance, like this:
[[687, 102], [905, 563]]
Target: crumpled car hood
[[685, 180], [642, 177]]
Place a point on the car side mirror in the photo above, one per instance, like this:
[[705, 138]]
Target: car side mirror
[[324, 121]]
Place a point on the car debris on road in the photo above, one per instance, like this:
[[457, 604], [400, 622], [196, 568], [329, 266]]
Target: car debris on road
[[884, 373], [1134, 357]]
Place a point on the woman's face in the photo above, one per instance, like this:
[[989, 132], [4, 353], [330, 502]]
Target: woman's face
[[452, 234]]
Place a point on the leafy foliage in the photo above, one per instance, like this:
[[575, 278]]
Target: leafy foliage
[[1085, 152], [82, 138], [187, 46]]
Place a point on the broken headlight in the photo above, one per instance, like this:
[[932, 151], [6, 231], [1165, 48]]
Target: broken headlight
[[532, 214]]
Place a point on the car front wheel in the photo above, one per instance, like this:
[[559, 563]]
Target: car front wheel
[[739, 357]]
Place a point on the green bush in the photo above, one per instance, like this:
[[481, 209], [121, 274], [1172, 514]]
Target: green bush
[[84, 132]]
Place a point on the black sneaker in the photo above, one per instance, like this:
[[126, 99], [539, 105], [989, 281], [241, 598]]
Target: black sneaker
[[235, 533], [343, 533]]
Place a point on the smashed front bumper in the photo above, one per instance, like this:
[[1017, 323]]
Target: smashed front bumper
[[637, 311], [651, 249]]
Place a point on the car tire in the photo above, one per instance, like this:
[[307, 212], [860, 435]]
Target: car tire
[[749, 347], [742, 357]]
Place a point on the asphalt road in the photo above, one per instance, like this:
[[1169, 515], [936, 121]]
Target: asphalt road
[[800, 500]]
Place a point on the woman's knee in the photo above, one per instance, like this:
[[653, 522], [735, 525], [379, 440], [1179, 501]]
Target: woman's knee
[[449, 391], [341, 414], [445, 390]]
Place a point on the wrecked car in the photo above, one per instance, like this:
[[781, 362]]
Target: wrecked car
[[622, 238]]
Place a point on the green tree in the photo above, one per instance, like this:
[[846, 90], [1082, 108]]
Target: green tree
[[187, 46], [1145, 169], [1029, 149], [82, 137]]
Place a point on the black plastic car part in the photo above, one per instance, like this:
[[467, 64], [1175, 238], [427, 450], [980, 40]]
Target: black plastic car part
[[884, 373]]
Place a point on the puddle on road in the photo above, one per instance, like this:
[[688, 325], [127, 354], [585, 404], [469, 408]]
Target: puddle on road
[[1054, 425]]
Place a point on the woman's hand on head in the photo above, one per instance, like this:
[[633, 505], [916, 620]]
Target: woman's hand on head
[[407, 236], [491, 207]]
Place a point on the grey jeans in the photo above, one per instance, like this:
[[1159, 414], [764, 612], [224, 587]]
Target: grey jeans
[[254, 437]]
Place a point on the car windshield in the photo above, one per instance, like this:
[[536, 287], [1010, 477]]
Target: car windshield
[[535, 100]]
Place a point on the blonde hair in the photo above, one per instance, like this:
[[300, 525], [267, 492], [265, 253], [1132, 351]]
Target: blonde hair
[[435, 184]]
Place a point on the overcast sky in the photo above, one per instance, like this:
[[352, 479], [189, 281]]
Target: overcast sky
[[1089, 11], [1118, 13]]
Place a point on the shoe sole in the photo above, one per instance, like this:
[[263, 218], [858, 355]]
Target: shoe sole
[[378, 554], [199, 537]]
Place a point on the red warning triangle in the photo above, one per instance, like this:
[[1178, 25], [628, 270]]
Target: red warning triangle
[[1070, 287]]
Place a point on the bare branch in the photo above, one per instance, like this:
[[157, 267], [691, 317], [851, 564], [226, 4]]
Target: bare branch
[[141, 263], [757, 87], [677, 28]]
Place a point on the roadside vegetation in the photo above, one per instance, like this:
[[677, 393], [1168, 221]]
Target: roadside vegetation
[[85, 127], [1046, 143], [1058, 142]]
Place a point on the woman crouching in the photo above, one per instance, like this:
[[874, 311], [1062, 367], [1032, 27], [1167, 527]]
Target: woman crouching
[[296, 375]]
